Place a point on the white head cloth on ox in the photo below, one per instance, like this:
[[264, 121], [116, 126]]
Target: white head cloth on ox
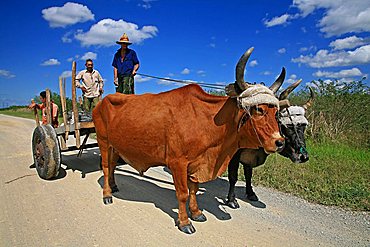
[[293, 115], [257, 95]]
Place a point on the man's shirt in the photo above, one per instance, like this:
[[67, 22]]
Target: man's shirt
[[125, 67], [93, 82], [54, 114]]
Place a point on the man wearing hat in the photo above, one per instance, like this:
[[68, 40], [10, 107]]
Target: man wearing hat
[[125, 64]]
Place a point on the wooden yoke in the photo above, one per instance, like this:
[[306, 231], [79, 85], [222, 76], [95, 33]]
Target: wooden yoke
[[74, 106]]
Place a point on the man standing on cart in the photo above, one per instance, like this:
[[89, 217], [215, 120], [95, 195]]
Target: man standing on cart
[[91, 84], [125, 64]]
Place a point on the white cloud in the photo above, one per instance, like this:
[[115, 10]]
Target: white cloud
[[279, 20], [346, 73], [253, 63], [201, 73], [69, 14], [73, 58], [185, 71], [292, 78], [339, 16], [171, 74], [6, 74], [139, 78], [213, 45], [266, 73], [51, 62], [66, 74], [106, 32], [146, 4], [324, 58], [312, 47], [282, 50], [349, 43], [66, 38], [89, 55]]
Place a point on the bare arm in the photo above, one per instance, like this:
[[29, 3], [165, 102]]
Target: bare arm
[[136, 67], [115, 76]]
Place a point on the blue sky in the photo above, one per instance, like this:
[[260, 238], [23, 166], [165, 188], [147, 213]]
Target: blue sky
[[191, 40]]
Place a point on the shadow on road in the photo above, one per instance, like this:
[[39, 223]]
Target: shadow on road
[[89, 161], [132, 187]]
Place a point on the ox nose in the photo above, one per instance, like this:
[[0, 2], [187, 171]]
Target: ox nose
[[279, 143], [304, 158]]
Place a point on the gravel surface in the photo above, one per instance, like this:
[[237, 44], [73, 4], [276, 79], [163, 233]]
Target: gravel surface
[[68, 211]]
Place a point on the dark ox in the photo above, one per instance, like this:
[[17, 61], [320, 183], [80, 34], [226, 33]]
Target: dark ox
[[292, 125], [191, 132]]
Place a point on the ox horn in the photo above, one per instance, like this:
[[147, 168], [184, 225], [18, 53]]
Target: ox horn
[[289, 89], [279, 81], [310, 100], [240, 67]]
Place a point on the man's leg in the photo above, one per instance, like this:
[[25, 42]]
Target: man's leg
[[86, 104], [94, 101]]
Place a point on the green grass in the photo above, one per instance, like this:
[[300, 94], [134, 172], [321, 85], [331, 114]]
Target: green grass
[[18, 112], [335, 175]]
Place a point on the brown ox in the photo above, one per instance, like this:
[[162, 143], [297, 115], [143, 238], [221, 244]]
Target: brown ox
[[193, 133]]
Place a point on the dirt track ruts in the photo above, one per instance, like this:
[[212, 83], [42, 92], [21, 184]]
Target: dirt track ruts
[[69, 211]]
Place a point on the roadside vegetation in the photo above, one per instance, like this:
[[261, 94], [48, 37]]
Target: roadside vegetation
[[338, 141]]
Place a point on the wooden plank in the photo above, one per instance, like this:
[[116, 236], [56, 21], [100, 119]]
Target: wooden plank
[[65, 102], [90, 145], [62, 102], [86, 125], [74, 105], [48, 108]]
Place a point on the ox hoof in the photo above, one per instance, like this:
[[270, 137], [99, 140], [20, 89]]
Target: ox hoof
[[114, 189], [232, 203], [188, 229], [252, 197], [107, 200], [199, 218]]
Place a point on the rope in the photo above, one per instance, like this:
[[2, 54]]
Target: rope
[[208, 85]]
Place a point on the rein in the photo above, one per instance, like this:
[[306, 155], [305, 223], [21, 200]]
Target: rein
[[208, 85]]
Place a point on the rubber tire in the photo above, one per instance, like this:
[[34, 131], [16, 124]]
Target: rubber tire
[[45, 138]]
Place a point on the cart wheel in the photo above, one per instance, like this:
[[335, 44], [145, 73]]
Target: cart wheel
[[46, 152]]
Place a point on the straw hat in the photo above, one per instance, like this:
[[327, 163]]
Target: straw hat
[[124, 40]]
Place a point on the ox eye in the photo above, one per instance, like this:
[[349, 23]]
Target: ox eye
[[259, 111]]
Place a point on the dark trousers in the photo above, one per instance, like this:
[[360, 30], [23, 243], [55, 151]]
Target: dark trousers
[[125, 84]]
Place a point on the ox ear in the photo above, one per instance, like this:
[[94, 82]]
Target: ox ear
[[284, 104], [233, 90]]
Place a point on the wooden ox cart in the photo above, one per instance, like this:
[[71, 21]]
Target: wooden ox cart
[[48, 143]]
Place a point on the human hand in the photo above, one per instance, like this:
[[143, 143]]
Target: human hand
[[83, 89], [101, 91], [133, 73], [115, 81], [32, 105]]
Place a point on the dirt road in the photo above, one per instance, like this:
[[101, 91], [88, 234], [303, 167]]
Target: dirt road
[[69, 210]]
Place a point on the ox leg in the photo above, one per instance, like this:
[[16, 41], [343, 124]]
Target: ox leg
[[233, 178], [107, 192], [248, 172], [113, 158], [195, 213], [181, 186]]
